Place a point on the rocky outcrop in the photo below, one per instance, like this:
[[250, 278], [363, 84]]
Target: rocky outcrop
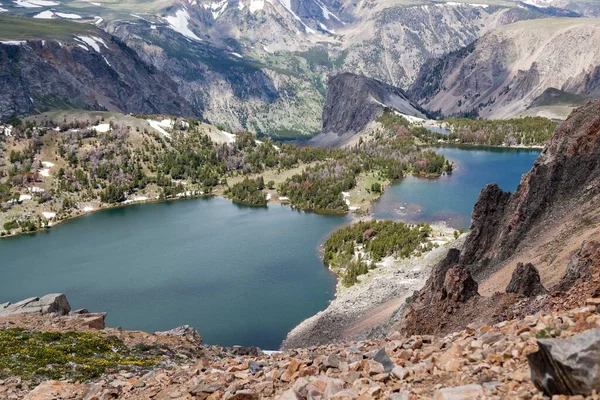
[[353, 101], [582, 265], [565, 174], [50, 303], [526, 281], [489, 210], [567, 366], [445, 300], [56, 307]]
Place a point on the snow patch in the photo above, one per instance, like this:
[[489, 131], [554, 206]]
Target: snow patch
[[238, 55], [48, 215], [326, 13], [93, 42], [68, 16], [179, 23], [13, 42], [103, 128], [35, 3], [45, 172], [45, 15], [160, 125], [288, 6], [24, 197], [47, 164], [217, 8], [256, 5]]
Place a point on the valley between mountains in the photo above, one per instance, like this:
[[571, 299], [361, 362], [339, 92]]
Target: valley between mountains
[[299, 199]]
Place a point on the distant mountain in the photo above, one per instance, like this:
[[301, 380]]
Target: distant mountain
[[354, 101], [503, 73], [263, 65], [80, 67]]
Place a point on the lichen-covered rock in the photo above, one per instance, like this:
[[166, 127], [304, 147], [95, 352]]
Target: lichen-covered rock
[[526, 281]]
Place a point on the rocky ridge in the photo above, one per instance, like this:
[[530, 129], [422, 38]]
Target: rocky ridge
[[481, 361], [87, 69], [565, 175], [503, 73]]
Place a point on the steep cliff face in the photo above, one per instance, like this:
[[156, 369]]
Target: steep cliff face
[[501, 74], [94, 71], [354, 101], [232, 90], [563, 181]]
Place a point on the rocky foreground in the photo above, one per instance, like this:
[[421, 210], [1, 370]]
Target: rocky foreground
[[488, 361]]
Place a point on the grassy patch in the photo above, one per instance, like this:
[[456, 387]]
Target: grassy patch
[[16, 28], [57, 355]]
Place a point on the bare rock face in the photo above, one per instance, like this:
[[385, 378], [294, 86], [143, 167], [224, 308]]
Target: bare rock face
[[487, 216], [567, 366], [582, 264], [434, 287], [353, 101], [42, 75], [526, 281], [565, 175]]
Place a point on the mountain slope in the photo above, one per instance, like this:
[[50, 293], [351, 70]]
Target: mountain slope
[[501, 74], [47, 65], [554, 207], [354, 101]]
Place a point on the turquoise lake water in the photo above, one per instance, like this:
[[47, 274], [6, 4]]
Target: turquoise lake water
[[240, 275], [451, 198]]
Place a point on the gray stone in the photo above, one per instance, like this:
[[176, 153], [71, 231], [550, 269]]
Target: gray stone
[[382, 358], [55, 302], [567, 366], [203, 388], [332, 361], [50, 303], [254, 367]]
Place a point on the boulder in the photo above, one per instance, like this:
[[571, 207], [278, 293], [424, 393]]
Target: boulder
[[382, 358], [459, 285], [50, 303], [185, 331], [567, 366], [582, 264], [526, 281]]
